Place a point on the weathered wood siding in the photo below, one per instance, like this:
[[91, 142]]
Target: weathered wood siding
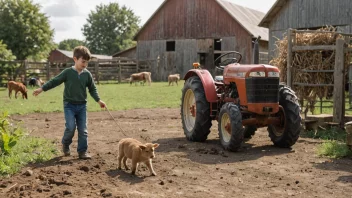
[[308, 14], [185, 19], [312, 13], [187, 51], [165, 63], [193, 25]]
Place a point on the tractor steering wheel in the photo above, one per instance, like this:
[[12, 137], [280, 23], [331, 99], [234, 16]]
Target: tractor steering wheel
[[227, 61]]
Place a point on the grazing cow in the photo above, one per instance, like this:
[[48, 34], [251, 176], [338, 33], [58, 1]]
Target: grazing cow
[[40, 82], [130, 148], [17, 87], [173, 78], [142, 76], [32, 82]]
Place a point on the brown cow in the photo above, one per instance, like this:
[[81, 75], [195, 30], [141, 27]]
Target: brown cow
[[142, 76], [17, 86]]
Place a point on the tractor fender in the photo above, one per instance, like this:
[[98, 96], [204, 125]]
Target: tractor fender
[[207, 81]]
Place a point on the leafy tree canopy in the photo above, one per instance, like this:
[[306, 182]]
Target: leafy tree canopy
[[25, 30], [69, 44], [5, 54], [110, 29]]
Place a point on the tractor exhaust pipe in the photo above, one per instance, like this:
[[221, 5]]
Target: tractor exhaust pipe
[[256, 51]]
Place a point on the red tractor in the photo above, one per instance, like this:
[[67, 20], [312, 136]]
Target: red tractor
[[243, 99]]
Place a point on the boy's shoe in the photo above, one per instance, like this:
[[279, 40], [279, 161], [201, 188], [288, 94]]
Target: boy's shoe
[[84, 155], [66, 150]]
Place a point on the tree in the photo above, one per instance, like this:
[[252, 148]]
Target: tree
[[5, 54], [110, 29], [25, 30], [69, 44]]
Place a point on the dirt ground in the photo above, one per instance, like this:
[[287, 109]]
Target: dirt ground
[[185, 169]]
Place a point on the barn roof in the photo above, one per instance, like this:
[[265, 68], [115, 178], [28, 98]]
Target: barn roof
[[246, 17], [97, 56], [270, 15], [126, 50]]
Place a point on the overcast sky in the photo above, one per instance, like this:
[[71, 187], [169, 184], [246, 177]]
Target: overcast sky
[[67, 17]]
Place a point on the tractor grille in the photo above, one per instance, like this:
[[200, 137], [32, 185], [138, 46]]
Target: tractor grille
[[262, 90]]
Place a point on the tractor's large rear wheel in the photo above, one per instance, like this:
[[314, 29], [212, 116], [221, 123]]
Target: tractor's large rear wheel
[[230, 127], [287, 132], [195, 110]]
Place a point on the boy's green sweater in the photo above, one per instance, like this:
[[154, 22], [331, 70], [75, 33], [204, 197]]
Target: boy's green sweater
[[75, 85]]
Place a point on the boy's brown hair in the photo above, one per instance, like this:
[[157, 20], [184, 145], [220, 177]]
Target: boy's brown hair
[[82, 52]]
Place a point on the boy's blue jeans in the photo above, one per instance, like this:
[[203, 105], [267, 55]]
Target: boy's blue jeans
[[76, 115]]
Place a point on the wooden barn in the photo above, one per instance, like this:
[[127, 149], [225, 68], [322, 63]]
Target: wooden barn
[[312, 14], [181, 32], [128, 53], [63, 56]]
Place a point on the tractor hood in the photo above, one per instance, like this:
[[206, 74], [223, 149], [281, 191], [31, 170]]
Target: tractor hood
[[244, 71]]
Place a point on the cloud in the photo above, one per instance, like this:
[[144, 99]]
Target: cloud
[[63, 8]]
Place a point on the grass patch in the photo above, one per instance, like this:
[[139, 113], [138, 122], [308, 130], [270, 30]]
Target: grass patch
[[18, 149], [116, 96], [27, 150], [329, 134], [334, 145], [334, 149]]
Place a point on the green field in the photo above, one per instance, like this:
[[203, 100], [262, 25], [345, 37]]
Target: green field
[[116, 97]]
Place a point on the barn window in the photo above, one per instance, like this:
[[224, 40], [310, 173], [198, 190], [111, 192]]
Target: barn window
[[217, 44], [170, 46]]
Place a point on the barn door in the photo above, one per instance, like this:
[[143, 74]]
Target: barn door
[[167, 65]]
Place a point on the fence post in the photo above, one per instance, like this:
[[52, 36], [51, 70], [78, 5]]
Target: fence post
[[120, 68], [25, 62], [289, 57], [96, 69], [47, 71], [350, 85], [339, 93], [137, 65]]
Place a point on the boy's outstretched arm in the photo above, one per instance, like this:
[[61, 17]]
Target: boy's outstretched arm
[[37, 91], [57, 80]]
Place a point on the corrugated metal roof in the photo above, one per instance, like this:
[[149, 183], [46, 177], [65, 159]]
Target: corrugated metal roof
[[247, 17], [70, 54], [272, 13]]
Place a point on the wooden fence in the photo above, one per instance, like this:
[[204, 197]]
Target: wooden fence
[[341, 48], [115, 70]]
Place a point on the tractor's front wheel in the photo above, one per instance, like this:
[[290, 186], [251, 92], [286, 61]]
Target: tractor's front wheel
[[230, 127], [287, 132], [195, 110]]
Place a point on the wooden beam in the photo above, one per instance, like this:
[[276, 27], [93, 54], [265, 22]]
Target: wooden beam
[[319, 32], [316, 71], [313, 85], [289, 57], [314, 47], [339, 92]]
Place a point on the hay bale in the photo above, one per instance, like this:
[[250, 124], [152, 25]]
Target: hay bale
[[309, 60]]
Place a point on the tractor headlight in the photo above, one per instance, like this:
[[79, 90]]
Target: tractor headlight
[[273, 74], [257, 74]]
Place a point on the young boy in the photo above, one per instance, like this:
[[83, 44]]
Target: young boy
[[76, 78]]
